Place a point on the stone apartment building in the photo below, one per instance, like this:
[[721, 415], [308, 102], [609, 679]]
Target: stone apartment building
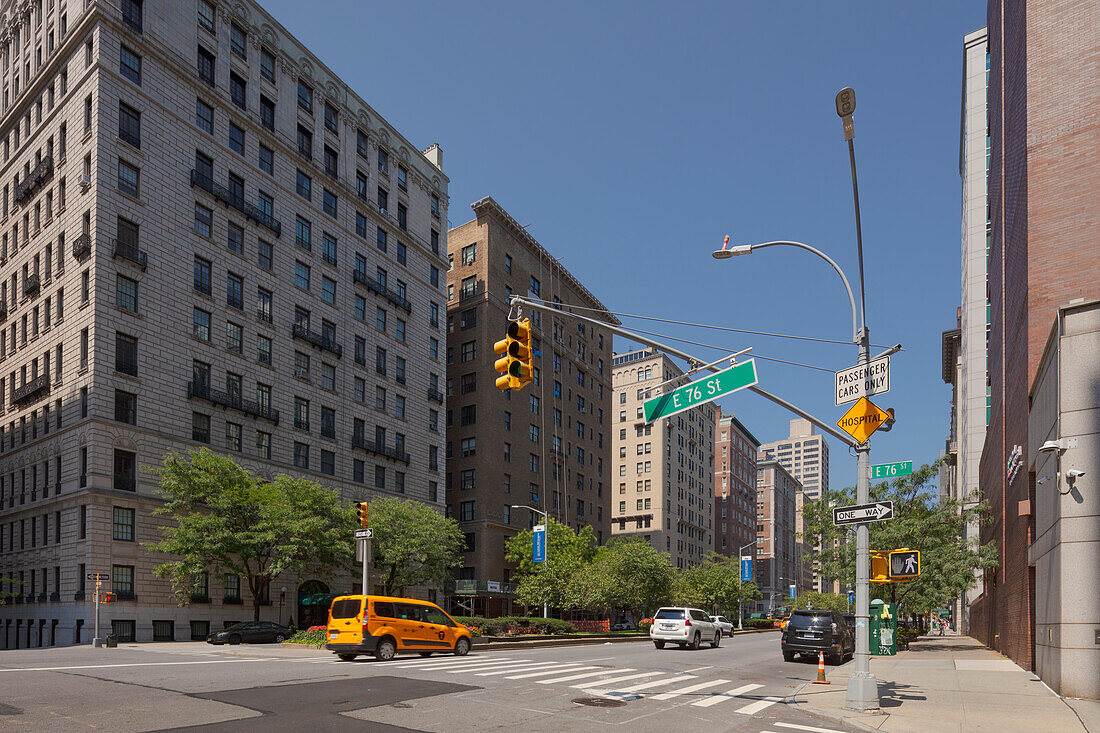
[[734, 487], [545, 446], [776, 566], [154, 155], [664, 470]]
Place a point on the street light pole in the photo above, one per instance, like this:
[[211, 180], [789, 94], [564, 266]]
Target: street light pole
[[546, 554], [740, 584]]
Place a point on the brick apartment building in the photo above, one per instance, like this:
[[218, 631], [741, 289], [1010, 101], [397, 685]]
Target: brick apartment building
[[776, 567], [546, 446], [1044, 181], [734, 487], [154, 155]]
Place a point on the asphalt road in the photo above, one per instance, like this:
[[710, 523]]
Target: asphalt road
[[739, 686]]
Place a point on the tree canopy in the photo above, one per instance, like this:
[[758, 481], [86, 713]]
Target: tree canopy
[[921, 522], [715, 584], [556, 581], [413, 544], [231, 520]]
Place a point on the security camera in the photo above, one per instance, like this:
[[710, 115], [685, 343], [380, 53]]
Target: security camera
[[1073, 473], [1051, 445]]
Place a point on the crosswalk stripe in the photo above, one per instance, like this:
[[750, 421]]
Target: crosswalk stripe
[[722, 697], [467, 665], [581, 676], [617, 680], [426, 663], [457, 669], [539, 665], [640, 686], [543, 673], [689, 689], [759, 705], [806, 727]]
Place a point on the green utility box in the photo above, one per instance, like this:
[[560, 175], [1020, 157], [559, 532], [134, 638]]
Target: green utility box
[[884, 628]]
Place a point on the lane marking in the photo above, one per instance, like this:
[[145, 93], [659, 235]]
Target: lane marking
[[131, 664], [723, 696], [699, 669], [691, 688], [807, 727], [617, 680], [759, 705], [581, 676], [640, 686], [543, 673]]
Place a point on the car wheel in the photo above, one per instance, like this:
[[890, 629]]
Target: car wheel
[[462, 647], [234, 639], [717, 640], [279, 638], [659, 644], [346, 657], [695, 641], [425, 654], [834, 660], [385, 650], [788, 656], [681, 644]]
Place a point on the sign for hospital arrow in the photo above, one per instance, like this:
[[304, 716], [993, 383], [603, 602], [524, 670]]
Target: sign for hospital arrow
[[684, 398], [863, 380], [856, 513], [862, 419]]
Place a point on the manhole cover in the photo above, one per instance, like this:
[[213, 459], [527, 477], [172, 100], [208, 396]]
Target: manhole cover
[[9, 710], [598, 702]]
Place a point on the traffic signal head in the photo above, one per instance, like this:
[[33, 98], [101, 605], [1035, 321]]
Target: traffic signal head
[[362, 511], [880, 567], [515, 350]]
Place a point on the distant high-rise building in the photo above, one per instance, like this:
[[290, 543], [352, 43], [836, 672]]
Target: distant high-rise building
[[734, 487], [665, 469], [805, 454], [545, 446], [776, 567]]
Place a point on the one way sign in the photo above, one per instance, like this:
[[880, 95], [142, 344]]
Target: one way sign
[[876, 512]]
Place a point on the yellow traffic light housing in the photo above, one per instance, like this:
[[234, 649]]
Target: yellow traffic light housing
[[362, 511], [515, 362], [880, 567]]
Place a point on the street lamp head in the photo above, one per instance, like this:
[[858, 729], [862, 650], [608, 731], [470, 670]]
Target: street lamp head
[[726, 252]]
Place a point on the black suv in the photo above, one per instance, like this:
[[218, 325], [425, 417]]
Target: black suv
[[811, 632]]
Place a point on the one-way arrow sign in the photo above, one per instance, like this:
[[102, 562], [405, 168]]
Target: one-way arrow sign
[[876, 512]]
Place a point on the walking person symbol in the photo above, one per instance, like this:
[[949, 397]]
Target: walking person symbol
[[911, 564]]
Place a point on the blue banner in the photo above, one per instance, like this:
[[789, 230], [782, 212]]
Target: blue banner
[[538, 544], [793, 591], [746, 569], [851, 596]]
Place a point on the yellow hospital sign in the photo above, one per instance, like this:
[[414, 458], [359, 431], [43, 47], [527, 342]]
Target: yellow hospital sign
[[862, 419]]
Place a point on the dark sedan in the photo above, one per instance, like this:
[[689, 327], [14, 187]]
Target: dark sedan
[[251, 632]]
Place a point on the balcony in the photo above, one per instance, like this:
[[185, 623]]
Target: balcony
[[478, 587], [203, 391], [55, 596], [229, 198], [358, 441], [232, 601], [32, 390], [43, 596], [318, 340], [128, 251], [82, 247], [379, 289], [32, 284], [33, 180], [435, 395], [199, 598]]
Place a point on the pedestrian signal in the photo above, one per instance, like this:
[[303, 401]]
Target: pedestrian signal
[[904, 563]]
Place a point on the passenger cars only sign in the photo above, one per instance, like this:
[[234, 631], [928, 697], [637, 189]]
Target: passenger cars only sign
[[863, 380]]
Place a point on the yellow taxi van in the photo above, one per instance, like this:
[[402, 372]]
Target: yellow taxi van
[[384, 626]]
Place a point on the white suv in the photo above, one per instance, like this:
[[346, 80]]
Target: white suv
[[725, 626], [685, 627]]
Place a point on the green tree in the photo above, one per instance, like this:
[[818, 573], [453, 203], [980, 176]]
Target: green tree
[[229, 519], [627, 573], [715, 584], [921, 522], [413, 544], [558, 581], [823, 601]]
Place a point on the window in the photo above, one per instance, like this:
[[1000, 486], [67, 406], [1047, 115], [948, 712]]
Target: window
[[201, 324], [383, 161], [435, 205], [303, 234], [234, 337], [202, 275], [263, 444], [238, 41], [206, 16], [263, 350], [126, 293], [330, 118], [234, 238], [204, 220], [466, 511], [402, 178], [301, 455], [301, 275], [328, 290], [125, 407], [469, 256], [129, 124], [234, 291], [236, 139], [380, 239], [380, 319], [305, 142], [399, 330], [263, 304], [328, 248], [125, 463], [206, 66], [238, 91], [123, 524], [130, 65], [328, 422], [403, 217], [126, 354], [328, 202], [267, 65], [127, 178], [131, 13], [122, 582], [267, 113], [304, 186], [305, 96], [233, 436], [469, 351]]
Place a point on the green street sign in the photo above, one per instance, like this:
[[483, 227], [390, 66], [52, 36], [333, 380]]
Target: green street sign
[[684, 398], [892, 470]]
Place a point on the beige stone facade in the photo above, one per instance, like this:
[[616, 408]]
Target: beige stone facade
[[193, 255], [664, 472], [546, 445]]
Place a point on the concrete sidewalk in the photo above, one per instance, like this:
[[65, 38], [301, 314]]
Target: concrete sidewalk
[[946, 684]]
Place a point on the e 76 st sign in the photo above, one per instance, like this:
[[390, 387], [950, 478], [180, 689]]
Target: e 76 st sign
[[684, 398]]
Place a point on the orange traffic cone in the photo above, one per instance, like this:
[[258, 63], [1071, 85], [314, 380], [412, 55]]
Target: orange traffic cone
[[821, 670]]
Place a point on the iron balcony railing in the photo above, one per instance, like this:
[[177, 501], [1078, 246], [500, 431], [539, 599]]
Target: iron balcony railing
[[31, 390], [227, 197], [31, 285], [320, 340], [378, 288], [435, 395], [82, 246], [358, 441], [128, 251], [203, 391], [33, 180]]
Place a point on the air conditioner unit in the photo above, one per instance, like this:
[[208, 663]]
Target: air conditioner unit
[[85, 181], [301, 372]]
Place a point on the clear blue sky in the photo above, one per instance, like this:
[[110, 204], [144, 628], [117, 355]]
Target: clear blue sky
[[632, 136]]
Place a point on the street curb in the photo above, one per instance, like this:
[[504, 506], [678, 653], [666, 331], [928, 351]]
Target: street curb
[[828, 716]]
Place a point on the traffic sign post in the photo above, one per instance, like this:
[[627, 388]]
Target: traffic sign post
[[892, 470], [862, 380], [904, 564], [862, 419], [857, 513], [720, 383], [98, 596]]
